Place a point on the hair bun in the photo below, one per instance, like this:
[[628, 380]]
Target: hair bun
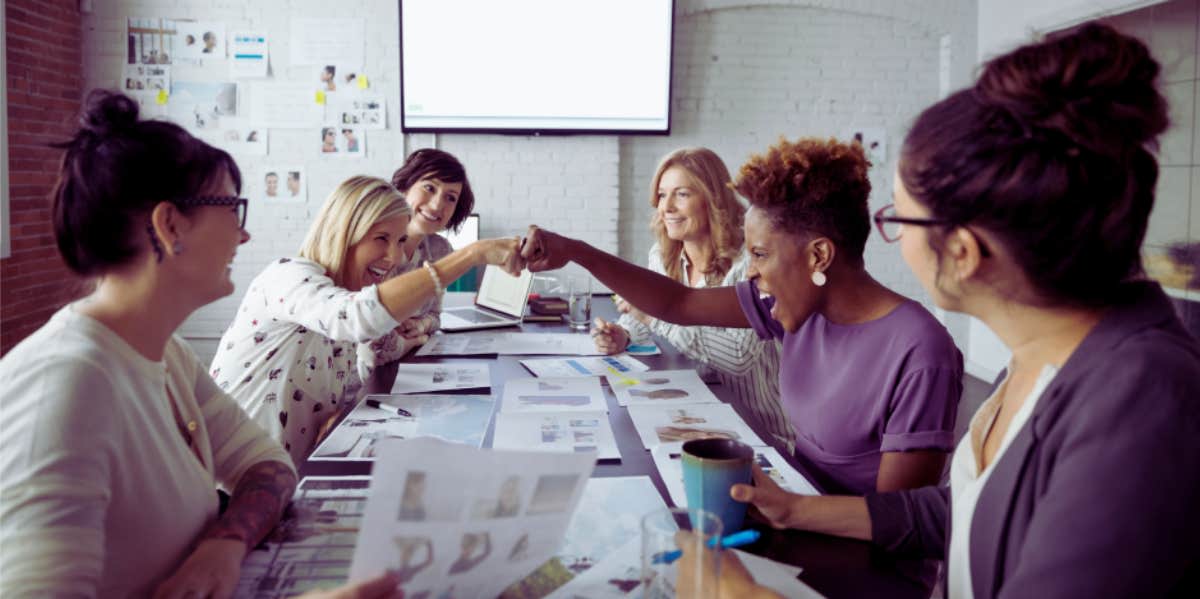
[[107, 113], [1093, 85]]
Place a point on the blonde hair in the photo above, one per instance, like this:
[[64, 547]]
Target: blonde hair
[[348, 214], [711, 179]]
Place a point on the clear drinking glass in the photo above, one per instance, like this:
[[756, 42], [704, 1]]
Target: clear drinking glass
[[661, 580], [579, 301]]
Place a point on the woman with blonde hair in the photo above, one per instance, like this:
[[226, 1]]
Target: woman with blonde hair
[[292, 347], [697, 224]]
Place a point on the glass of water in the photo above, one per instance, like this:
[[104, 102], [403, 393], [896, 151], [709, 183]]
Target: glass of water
[[579, 301]]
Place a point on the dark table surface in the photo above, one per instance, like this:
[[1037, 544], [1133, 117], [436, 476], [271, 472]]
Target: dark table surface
[[835, 567]]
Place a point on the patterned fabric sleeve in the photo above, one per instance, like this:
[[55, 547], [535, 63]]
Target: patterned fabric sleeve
[[299, 291]]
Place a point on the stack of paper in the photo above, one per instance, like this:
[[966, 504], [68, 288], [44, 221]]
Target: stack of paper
[[608, 366], [670, 467], [455, 418], [661, 387], [672, 425], [456, 521], [423, 378], [555, 414]]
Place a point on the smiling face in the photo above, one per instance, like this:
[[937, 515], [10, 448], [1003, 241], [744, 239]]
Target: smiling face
[[432, 201], [369, 261], [778, 264], [682, 205], [272, 184], [212, 239]]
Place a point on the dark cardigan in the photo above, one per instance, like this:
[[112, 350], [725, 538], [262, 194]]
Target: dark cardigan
[[1098, 495]]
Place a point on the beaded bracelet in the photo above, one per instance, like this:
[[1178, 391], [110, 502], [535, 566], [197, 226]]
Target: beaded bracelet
[[437, 281]]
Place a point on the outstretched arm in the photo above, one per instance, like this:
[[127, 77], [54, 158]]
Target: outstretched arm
[[651, 292]]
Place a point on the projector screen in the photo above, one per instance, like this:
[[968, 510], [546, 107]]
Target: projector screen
[[536, 66]]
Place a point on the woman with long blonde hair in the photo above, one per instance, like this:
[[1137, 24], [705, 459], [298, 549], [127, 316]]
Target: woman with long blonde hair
[[295, 341], [697, 225]]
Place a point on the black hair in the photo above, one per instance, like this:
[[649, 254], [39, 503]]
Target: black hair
[[444, 167], [115, 170], [1050, 152]]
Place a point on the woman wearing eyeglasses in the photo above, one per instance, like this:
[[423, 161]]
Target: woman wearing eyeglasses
[[870, 380], [306, 322], [115, 438], [1023, 201]]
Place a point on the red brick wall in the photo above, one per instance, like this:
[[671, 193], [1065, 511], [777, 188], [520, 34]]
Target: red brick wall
[[45, 80]]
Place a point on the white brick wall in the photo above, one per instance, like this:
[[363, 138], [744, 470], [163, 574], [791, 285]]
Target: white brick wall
[[745, 73]]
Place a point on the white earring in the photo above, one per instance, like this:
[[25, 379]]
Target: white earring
[[819, 279], [177, 248]]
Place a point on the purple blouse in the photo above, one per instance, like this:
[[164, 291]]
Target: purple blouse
[[853, 392]]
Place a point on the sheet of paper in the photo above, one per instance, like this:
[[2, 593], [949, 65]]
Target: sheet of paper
[[357, 108], [321, 41], [201, 106], [783, 578], [609, 515], [145, 78], [557, 431], [464, 521], [661, 387], [278, 183], [476, 343], [150, 40], [419, 378], [249, 53], [608, 366], [670, 468], [313, 543], [285, 105], [455, 418], [561, 394], [198, 41], [238, 136], [672, 425]]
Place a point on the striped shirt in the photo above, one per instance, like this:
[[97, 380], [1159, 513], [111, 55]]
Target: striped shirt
[[737, 357]]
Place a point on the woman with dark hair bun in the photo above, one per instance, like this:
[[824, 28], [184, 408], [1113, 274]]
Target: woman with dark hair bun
[[1023, 201], [869, 379], [115, 439]]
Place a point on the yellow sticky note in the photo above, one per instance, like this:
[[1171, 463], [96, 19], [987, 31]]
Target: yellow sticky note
[[321, 97], [362, 82], [162, 96]]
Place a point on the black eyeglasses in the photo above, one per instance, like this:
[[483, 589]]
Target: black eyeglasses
[[891, 227], [239, 204]]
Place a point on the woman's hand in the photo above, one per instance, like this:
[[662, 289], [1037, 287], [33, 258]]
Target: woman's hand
[[773, 503], [504, 252], [416, 327], [625, 307], [543, 250], [735, 580], [211, 570], [384, 586], [610, 337]]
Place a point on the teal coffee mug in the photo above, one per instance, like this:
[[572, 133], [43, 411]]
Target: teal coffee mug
[[710, 468]]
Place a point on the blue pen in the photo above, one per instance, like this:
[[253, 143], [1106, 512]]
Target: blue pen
[[736, 539]]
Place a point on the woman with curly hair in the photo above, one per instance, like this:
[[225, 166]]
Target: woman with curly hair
[[698, 225], [870, 380]]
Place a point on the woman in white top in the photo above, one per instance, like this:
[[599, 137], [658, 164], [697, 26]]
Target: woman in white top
[[698, 226], [295, 340], [115, 438]]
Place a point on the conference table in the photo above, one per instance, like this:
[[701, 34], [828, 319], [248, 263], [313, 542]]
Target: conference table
[[835, 567]]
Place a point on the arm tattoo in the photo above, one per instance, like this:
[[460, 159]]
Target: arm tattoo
[[256, 504]]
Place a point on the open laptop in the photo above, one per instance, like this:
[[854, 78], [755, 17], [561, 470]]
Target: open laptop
[[500, 302]]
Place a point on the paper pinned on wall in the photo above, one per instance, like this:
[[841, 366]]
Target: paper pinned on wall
[[199, 41], [238, 136], [357, 109], [284, 105], [250, 53], [452, 520], [279, 183], [142, 78], [323, 41]]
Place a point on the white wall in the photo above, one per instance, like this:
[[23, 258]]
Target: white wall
[[745, 73], [1005, 24]]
